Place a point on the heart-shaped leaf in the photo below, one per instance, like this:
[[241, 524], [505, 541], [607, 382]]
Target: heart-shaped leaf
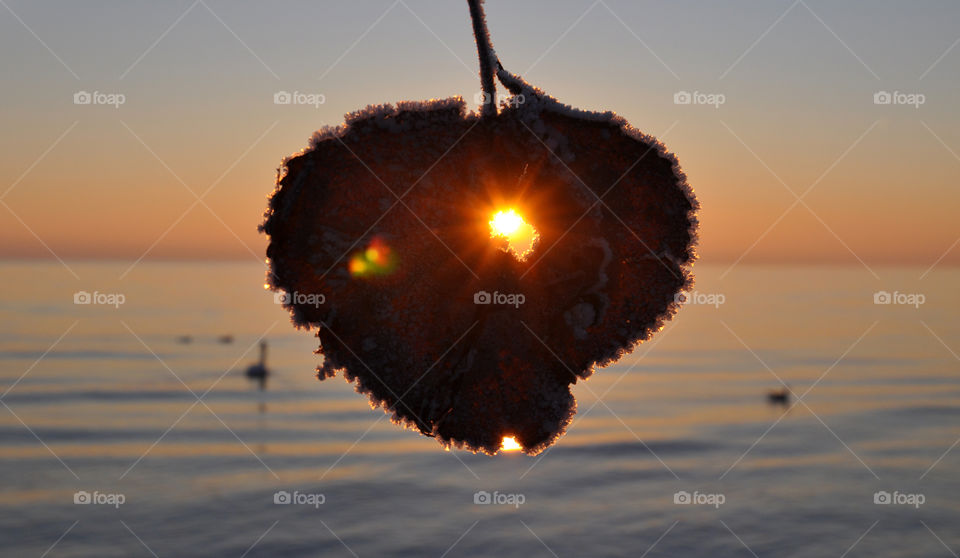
[[388, 218]]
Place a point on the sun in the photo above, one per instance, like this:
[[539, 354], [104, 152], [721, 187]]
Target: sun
[[505, 223], [520, 236]]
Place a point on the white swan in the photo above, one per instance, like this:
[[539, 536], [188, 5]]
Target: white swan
[[259, 370]]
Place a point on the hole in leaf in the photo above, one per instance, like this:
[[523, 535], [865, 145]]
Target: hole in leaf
[[520, 237]]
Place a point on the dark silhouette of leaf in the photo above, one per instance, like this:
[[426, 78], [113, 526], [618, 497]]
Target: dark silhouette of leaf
[[418, 182]]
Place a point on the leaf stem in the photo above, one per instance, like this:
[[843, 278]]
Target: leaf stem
[[487, 56]]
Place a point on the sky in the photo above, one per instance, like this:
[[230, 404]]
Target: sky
[[790, 154]]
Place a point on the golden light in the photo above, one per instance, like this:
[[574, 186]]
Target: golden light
[[509, 444], [520, 236]]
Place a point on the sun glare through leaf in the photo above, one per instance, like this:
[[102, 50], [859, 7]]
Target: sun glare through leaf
[[509, 444], [520, 236]]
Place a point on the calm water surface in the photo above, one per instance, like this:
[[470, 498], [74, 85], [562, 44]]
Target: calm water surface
[[105, 400]]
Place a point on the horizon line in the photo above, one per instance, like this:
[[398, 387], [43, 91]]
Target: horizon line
[[699, 261]]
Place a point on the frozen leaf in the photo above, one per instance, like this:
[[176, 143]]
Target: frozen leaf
[[388, 217]]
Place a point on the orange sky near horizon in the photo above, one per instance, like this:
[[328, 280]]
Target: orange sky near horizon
[[104, 182]]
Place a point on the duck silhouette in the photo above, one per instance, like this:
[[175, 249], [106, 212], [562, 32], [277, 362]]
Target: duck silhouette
[[779, 396]]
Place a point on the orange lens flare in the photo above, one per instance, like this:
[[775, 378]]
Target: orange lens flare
[[376, 259]]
